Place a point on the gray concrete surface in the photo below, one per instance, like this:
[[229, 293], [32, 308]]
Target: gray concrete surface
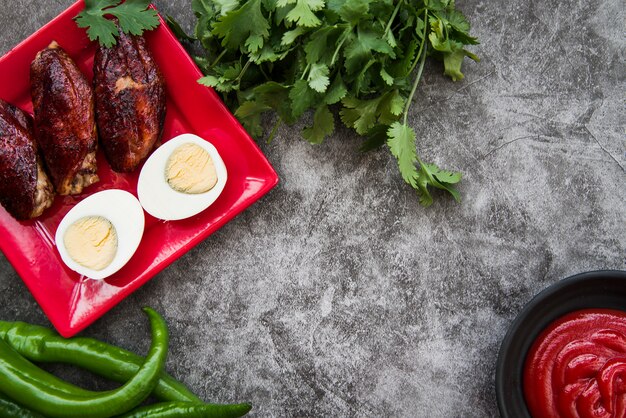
[[337, 294]]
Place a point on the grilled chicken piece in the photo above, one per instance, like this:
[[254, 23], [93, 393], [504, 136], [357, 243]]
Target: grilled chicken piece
[[25, 189], [130, 101], [65, 125]]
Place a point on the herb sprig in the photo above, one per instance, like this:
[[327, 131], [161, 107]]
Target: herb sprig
[[134, 17], [364, 56]]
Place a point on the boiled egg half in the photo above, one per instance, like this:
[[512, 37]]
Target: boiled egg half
[[100, 234], [182, 177]]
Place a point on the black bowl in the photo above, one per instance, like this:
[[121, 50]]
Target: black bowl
[[596, 289]]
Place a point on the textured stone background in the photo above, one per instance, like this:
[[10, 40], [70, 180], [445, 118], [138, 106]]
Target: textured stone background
[[337, 294]]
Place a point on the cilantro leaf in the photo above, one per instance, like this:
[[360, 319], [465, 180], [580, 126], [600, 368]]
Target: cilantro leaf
[[302, 97], [241, 27], [205, 13], [361, 47], [452, 62], [254, 43], [317, 47], [225, 6], [336, 91], [401, 67], [362, 115], [444, 176], [302, 14], [251, 108], [457, 21], [134, 17], [268, 54], [351, 11], [210, 81], [401, 142], [249, 114], [203, 8], [431, 175], [390, 107], [323, 126], [387, 78], [439, 38], [359, 114], [98, 27], [318, 77], [252, 124], [276, 96], [376, 138], [290, 37], [225, 79], [101, 30]]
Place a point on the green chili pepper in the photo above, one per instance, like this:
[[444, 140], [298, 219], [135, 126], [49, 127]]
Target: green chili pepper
[[190, 410], [29, 385], [8, 408], [43, 345]]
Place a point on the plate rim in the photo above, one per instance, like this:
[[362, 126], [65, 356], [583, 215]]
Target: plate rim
[[268, 180]]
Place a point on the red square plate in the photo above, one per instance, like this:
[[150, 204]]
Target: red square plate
[[71, 301]]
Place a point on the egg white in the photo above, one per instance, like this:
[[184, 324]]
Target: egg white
[[124, 212], [163, 202]]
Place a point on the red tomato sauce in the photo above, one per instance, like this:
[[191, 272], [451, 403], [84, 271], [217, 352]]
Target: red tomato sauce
[[577, 367]]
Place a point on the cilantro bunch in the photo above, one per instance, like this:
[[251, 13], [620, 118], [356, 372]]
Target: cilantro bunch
[[362, 57]]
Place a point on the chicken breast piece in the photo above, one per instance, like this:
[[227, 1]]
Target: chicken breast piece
[[65, 127], [130, 101], [25, 189]]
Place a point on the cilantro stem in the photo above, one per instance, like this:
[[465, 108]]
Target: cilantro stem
[[362, 72], [274, 130], [344, 36], [267, 78], [415, 83], [243, 71], [392, 18], [421, 56], [306, 70], [219, 57]]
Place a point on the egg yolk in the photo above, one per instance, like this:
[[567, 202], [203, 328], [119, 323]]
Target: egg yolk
[[91, 242], [190, 169]]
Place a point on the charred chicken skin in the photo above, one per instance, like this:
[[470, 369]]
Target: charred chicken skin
[[25, 189], [130, 101], [65, 127]]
